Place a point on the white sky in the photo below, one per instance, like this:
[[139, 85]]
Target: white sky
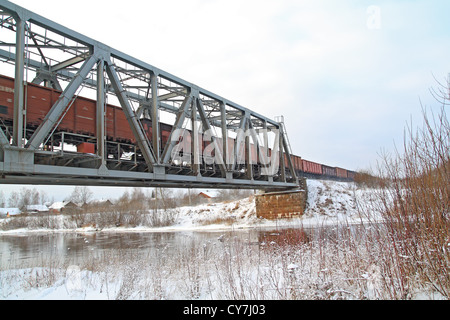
[[346, 79]]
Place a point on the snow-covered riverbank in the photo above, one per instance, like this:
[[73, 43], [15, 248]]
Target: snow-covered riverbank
[[274, 265], [277, 265], [329, 202]]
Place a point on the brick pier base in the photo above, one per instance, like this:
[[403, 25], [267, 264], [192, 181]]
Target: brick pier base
[[279, 205]]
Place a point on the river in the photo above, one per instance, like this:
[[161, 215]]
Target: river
[[26, 250], [254, 263]]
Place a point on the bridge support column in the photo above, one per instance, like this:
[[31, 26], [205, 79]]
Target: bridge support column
[[282, 204], [18, 84]]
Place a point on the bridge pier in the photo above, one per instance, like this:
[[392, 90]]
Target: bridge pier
[[282, 204]]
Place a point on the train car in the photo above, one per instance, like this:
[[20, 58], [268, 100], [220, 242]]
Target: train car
[[297, 163], [286, 160], [311, 167], [117, 126], [165, 131], [351, 175], [80, 117], [341, 173], [329, 171]]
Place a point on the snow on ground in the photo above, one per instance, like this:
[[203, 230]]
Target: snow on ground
[[329, 202], [335, 202], [330, 198]]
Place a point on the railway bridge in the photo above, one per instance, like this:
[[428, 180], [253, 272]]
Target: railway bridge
[[75, 111]]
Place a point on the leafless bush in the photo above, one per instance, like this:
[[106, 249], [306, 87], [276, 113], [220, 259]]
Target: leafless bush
[[365, 178], [417, 206], [161, 218], [40, 221]]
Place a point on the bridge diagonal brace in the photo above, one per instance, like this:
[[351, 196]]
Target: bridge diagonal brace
[[218, 153], [60, 106], [176, 130], [281, 155], [67, 63], [130, 115], [285, 145], [4, 141]]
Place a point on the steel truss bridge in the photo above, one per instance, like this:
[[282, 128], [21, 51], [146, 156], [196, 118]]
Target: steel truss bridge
[[240, 148]]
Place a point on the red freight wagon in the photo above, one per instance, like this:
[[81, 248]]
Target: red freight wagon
[[296, 162], [351, 174], [80, 118], [286, 161], [341, 173], [117, 126], [312, 167], [329, 171], [6, 98]]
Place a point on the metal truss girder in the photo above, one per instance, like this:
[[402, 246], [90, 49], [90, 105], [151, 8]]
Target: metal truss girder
[[132, 82], [88, 42]]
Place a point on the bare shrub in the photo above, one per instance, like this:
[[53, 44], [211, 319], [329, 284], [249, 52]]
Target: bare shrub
[[161, 218], [365, 178], [417, 207]]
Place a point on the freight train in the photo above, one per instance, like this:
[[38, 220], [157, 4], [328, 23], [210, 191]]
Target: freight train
[[80, 123]]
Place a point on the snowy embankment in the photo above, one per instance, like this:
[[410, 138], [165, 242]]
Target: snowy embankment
[[329, 202]]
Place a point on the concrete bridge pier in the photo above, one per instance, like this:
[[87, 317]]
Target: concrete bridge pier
[[282, 204]]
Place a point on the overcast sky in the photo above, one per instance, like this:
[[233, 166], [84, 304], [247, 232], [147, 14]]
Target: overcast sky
[[347, 75]]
